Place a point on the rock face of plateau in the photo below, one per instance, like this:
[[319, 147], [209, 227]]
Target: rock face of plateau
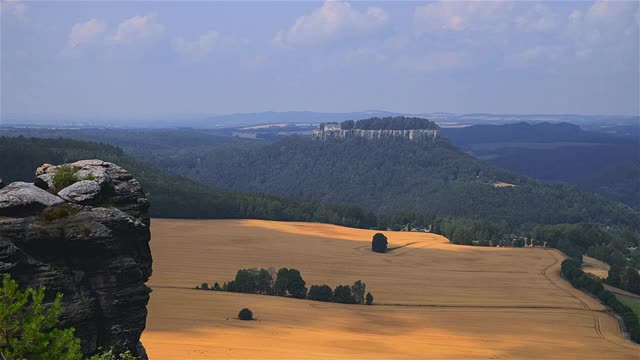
[[89, 241], [411, 134]]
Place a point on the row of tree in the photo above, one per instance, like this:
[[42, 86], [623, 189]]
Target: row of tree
[[571, 270], [289, 283], [390, 123]]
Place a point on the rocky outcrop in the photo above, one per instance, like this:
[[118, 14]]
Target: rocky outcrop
[[90, 241], [20, 198]]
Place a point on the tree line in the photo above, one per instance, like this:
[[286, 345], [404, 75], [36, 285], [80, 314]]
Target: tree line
[[289, 283], [390, 123], [571, 270], [624, 277]]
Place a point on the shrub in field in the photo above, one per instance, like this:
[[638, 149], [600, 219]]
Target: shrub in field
[[245, 314]]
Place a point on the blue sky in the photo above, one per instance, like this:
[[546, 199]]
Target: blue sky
[[121, 59]]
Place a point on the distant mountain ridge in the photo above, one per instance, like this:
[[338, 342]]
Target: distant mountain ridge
[[544, 132], [599, 122]]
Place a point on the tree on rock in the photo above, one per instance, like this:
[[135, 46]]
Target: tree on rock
[[245, 314], [379, 243], [369, 299], [320, 293], [29, 328]]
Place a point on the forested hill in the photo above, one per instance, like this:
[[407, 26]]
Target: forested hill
[[171, 195], [520, 132], [392, 175], [560, 153]]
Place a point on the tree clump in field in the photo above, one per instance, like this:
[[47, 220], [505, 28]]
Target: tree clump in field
[[343, 295], [358, 290], [379, 243], [289, 283], [254, 281], [320, 293], [245, 314]]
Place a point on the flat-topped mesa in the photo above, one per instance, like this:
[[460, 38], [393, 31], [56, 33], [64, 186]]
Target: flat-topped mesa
[[85, 235], [416, 129]]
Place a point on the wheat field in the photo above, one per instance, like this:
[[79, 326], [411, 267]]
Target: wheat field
[[432, 299]]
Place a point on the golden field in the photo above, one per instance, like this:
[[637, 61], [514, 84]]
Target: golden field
[[432, 299], [595, 267]]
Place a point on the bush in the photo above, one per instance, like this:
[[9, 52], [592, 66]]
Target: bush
[[320, 293], [245, 314], [109, 355], [379, 243], [65, 175], [59, 212], [369, 299]]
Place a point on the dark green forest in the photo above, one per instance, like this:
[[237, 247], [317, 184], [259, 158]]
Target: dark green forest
[[392, 175], [171, 195], [559, 153]]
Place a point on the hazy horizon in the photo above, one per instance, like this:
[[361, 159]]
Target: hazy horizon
[[150, 59]]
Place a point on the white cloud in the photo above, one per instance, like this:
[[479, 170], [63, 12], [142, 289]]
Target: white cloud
[[540, 56], [537, 17], [606, 28], [431, 63], [137, 28], [16, 8], [198, 48], [462, 15], [332, 21], [85, 33], [483, 16]]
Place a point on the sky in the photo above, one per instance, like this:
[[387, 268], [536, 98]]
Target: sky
[[165, 58]]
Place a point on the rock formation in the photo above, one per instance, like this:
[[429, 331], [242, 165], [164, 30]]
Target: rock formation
[[411, 134], [90, 241]]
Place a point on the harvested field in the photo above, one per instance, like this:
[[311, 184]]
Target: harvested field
[[432, 299], [595, 267]]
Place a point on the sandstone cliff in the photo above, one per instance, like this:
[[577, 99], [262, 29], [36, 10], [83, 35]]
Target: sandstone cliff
[[90, 241], [411, 134]]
